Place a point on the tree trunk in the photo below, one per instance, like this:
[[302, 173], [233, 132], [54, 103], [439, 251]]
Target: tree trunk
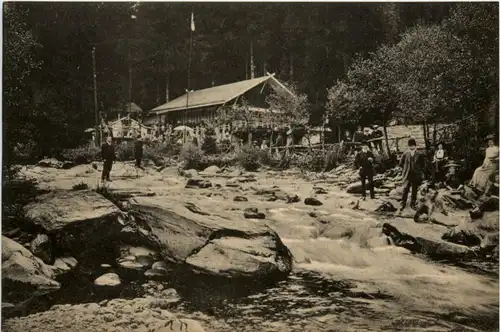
[[166, 91], [388, 151], [425, 134], [322, 136], [158, 94], [434, 134], [252, 69], [246, 67], [271, 142]]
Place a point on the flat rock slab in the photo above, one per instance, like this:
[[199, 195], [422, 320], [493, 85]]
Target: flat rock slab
[[58, 209], [238, 247], [428, 238]]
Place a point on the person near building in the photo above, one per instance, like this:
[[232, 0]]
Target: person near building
[[439, 161], [264, 146], [364, 162], [358, 136], [483, 173], [108, 157], [412, 162]]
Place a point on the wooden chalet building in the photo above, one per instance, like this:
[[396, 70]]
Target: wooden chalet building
[[201, 106]]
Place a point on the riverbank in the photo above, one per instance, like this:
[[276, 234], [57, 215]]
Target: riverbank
[[347, 274]]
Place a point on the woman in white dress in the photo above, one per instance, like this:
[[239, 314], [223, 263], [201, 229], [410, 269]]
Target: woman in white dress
[[483, 173]]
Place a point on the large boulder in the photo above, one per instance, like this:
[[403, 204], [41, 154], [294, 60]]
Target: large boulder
[[23, 274], [211, 244], [477, 232], [76, 219], [422, 238]]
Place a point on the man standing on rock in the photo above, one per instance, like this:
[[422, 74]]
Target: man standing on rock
[[364, 161], [412, 163], [108, 157]]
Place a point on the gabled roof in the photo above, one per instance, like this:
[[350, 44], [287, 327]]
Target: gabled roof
[[119, 121], [134, 108], [217, 95]]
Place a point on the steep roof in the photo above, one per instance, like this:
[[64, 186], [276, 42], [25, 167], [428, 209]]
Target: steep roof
[[213, 96], [134, 108], [119, 121]]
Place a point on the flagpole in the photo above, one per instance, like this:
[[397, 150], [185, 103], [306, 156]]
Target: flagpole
[[191, 28]]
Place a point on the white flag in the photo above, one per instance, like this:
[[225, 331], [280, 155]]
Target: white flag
[[192, 22]]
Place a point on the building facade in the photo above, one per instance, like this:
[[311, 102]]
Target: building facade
[[196, 109]]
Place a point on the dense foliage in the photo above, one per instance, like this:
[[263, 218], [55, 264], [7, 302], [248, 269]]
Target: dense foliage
[[435, 73], [437, 57]]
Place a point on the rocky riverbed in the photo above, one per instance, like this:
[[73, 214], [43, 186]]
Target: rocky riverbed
[[353, 269]]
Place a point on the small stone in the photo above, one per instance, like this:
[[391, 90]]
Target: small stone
[[240, 199], [232, 184], [319, 191], [105, 266], [61, 265], [253, 213], [312, 201], [251, 210], [155, 273], [145, 260], [292, 199], [70, 261], [386, 207], [198, 183], [131, 265], [212, 170], [160, 265], [108, 279]]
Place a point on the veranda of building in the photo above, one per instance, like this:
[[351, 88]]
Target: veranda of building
[[201, 107]]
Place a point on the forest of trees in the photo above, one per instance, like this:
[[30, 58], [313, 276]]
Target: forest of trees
[[348, 58]]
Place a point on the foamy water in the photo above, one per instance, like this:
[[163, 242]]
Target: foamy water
[[415, 283]]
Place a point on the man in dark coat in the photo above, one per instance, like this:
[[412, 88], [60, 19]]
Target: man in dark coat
[[138, 151], [412, 163], [364, 161], [108, 157]]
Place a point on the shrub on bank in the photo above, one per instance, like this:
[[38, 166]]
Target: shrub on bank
[[312, 161], [159, 152], [249, 158], [82, 155], [16, 193], [124, 151], [80, 186], [25, 153], [191, 156], [219, 160], [267, 158], [209, 145]]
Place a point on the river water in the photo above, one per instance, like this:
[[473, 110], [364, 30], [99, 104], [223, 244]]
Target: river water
[[351, 289], [359, 283]]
